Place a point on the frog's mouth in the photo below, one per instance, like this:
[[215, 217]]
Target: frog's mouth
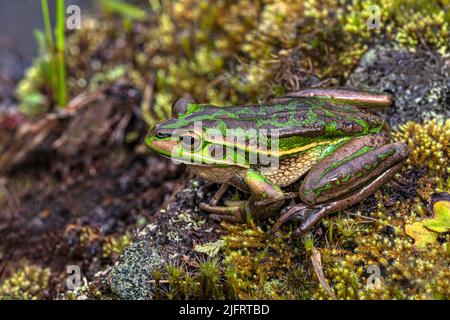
[[162, 145]]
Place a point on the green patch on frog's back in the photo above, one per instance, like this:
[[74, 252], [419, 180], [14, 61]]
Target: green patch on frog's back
[[309, 118]]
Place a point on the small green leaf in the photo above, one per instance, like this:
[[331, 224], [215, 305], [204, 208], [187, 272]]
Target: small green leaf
[[422, 236], [440, 222], [427, 230]]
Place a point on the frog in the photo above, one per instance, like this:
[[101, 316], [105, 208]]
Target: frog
[[331, 142]]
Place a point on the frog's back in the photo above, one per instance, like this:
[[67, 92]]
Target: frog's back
[[306, 117]]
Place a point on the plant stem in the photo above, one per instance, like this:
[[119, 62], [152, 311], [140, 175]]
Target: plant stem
[[60, 60], [49, 46]]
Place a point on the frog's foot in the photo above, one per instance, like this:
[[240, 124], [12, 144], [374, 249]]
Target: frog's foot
[[224, 213], [310, 215], [231, 212], [307, 215]]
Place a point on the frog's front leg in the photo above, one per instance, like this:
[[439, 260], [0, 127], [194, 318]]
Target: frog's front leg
[[261, 189], [353, 172]]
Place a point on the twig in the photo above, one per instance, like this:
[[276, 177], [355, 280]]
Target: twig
[[316, 261]]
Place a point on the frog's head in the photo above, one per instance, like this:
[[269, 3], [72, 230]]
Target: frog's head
[[191, 136]]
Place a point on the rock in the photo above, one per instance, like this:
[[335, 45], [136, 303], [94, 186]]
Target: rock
[[419, 82], [130, 279]]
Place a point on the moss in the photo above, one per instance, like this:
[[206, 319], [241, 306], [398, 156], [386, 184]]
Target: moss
[[31, 91], [28, 282], [115, 246], [430, 146], [206, 281]]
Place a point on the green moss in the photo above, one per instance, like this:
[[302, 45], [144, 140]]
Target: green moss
[[28, 282], [115, 246], [30, 90]]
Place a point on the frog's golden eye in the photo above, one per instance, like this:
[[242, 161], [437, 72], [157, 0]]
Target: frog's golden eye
[[190, 141]]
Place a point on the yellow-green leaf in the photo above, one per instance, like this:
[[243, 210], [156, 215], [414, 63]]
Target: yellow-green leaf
[[422, 236], [440, 222], [427, 230]]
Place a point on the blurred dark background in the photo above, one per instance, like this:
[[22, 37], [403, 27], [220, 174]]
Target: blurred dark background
[[18, 20]]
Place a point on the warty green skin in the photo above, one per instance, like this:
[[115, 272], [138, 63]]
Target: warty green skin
[[344, 150]]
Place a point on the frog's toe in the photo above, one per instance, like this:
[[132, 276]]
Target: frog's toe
[[308, 215], [221, 213], [294, 213], [311, 216], [220, 217]]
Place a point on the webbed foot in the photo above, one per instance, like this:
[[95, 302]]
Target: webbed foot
[[307, 215]]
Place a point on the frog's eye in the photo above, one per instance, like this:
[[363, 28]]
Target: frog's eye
[[190, 141]]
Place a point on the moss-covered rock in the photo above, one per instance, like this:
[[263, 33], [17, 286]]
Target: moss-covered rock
[[164, 243]]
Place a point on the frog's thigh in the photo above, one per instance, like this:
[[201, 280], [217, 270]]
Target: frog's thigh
[[352, 166]]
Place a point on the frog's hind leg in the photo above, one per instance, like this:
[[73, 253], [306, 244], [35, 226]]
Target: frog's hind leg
[[310, 215], [351, 173]]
